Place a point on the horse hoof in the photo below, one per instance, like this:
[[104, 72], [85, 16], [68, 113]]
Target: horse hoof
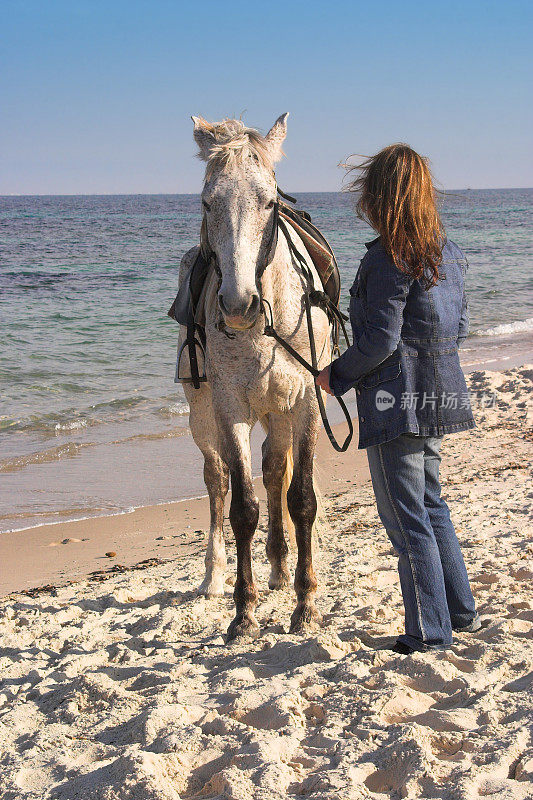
[[212, 587], [243, 626], [305, 618], [279, 579]]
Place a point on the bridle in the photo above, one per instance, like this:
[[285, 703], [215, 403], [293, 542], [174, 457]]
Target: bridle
[[311, 296]]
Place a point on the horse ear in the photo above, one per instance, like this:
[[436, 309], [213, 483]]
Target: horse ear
[[276, 136], [203, 136]]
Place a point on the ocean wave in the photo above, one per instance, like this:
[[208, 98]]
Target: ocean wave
[[120, 403], [507, 328], [180, 408], [73, 425], [7, 422], [66, 516], [43, 457], [153, 437], [72, 419], [72, 449], [51, 424], [84, 280]]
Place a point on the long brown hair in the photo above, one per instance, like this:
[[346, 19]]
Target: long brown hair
[[397, 198]]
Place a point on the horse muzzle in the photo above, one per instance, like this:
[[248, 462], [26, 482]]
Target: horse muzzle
[[242, 314]]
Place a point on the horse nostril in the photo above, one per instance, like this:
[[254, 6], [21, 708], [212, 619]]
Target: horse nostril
[[221, 303], [254, 305]]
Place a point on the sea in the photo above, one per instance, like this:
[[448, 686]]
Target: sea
[[91, 421]]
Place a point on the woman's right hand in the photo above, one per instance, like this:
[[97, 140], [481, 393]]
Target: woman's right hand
[[322, 380]]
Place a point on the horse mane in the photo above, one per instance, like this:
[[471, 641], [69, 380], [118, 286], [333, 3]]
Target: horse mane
[[232, 144]]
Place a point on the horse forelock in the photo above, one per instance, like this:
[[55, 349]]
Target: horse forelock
[[233, 145]]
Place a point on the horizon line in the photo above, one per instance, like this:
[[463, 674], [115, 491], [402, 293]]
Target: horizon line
[[196, 194]]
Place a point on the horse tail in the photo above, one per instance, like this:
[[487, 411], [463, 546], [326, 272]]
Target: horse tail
[[287, 478], [321, 525]]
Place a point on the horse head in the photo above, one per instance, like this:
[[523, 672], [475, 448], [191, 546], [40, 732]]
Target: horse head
[[239, 204]]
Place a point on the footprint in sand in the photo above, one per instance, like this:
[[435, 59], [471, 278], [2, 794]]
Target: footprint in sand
[[404, 704], [487, 577], [521, 574]]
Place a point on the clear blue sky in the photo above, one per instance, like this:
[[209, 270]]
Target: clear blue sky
[[96, 96]]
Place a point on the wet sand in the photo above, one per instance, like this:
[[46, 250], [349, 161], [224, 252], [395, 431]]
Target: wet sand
[[62, 552]]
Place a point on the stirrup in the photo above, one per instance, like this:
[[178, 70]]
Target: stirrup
[[178, 377]]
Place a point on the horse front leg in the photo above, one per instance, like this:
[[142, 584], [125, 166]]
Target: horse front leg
[[302, 503], [205, 432], [243, 515], [216, 477]]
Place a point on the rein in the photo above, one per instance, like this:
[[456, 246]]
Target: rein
[[311, 296], [313, 366]]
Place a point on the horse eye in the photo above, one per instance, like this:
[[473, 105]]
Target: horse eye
[[270, 204], [206, 205]]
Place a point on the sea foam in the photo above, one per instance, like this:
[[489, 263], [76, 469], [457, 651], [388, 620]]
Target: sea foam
[[507, 328]]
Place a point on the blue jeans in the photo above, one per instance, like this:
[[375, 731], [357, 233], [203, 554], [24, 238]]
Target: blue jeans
[[435, 587]]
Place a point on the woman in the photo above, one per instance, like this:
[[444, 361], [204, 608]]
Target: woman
[[409, 315]]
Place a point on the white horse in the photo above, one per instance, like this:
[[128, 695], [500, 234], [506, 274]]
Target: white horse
[[250, 377]]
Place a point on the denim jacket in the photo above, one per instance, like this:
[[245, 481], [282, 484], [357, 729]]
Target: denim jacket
[[404, 360]]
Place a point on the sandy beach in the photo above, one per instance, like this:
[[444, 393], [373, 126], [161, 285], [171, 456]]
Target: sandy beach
[[116, 683]]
